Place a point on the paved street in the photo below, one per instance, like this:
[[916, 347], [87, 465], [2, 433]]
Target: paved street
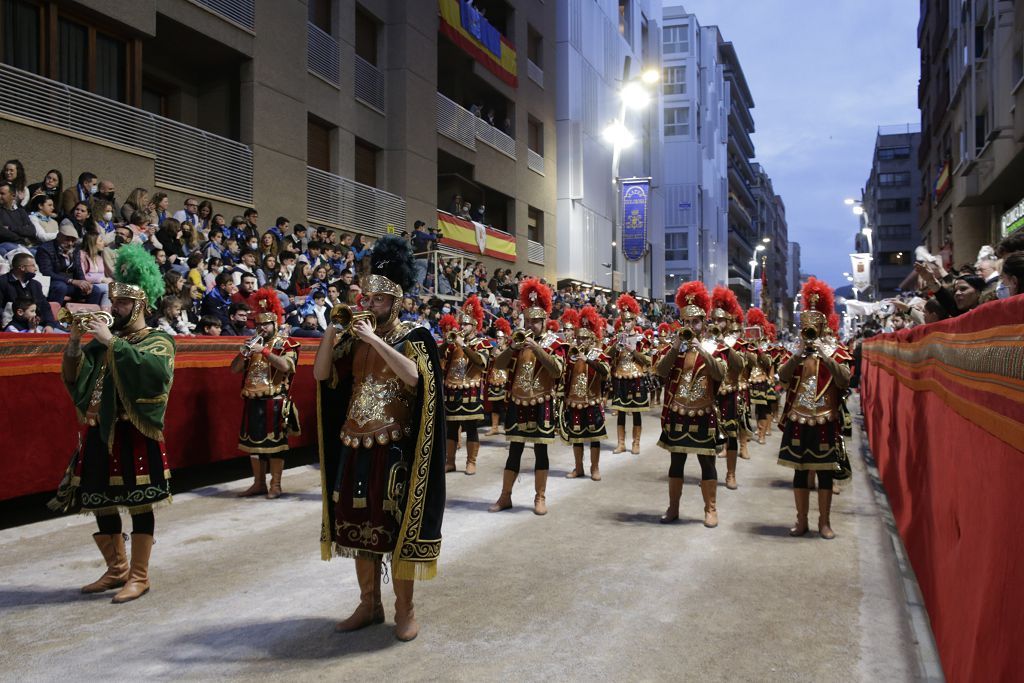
[[596, 590]]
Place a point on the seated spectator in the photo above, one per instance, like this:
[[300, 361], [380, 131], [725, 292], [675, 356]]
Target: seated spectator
[[1012, 275], [61, 261], [161, 207], [268, 272], [174, 283], [319, 277], [190, 212], [218, 299], [282, 226], [25, 318], [334, 294], [172, 319], [20, 283], [102, 213], [44, 219], [247, 286], [14, 173], [192, 301], [313, 256], [300, 287], [16, 228], [105, 192], [87, 186], [205, 221], [189, 240], [52, 185], [218, 221], [268, 245], [237, 323], [94, 266], [232, 251], [287, 267], [215, 247], [408, 313], [209, 326], [250, 227], [308, 328], [160, 256], [137, 202], [245, 266], [169, 235], [296, 241], [321, 309], [214, 267]]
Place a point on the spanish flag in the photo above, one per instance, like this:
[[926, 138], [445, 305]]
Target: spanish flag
[[476, 237], [471, 31]]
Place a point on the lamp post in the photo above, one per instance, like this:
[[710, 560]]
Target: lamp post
[[857, 206]]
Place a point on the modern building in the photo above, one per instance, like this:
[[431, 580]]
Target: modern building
[[602, 47], [695, 101], [793, 275], [362, 116], [890, 207], [972, 136], [771, 252]]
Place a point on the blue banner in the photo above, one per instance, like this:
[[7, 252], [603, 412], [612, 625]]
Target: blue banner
[[481, 29], [634, 218]]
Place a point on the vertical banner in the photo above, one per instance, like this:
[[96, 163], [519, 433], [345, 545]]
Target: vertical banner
[[634, 217], [755, 300], [861, 270]]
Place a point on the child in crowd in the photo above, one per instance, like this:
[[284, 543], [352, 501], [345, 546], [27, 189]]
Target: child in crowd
[[172, 319], [321, 309], [25, 318], [197, 270], [213, 267], [209, 326]]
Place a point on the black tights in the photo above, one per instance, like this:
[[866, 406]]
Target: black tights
[[469, 427], [515, 456], [730, 444], [500, 412], [622, 419], [593, 444], [142, 523], [800, 479], [707, 466]]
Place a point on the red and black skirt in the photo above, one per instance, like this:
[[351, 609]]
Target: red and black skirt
[[810, 446], [583, 425], [685, 433], [630, 394], [368, 500], [463, 404], [729, 413], [266, 424], [531, 423], [132, 475]]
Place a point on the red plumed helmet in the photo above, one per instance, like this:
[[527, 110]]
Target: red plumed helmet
[[725, 299], [590, 320], [817, 296], [570, 318], [664, 329], [474, 309], [267, 306], [756, 318], [448, 322], [553, 326], [692, 296], [628, 307], [618, 324], [534, 294], [771, 331], [833, 322], [503, 326]]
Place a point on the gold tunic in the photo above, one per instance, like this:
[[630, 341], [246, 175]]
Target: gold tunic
[[261, 378], [815, 399], [694, 390], [531, 384], [380, 409], [583, 387], [626, 366], [460, 373]]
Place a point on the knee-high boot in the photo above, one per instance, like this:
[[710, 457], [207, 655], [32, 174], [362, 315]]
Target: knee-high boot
[[709, 489], [825, 513], [620, 447], [730, 471], [449, 456], [675, 492], [744, 438], [138, 573], [637, 430], [540, 485], [472, 450], [803, 503], [406, 627], [595, 461], [577, 454], [259, 479], [370, 610], [112, 548], [276, 471], [494, 424], [504, 501]]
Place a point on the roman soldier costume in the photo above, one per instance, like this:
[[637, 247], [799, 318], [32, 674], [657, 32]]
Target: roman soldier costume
[[536, 358], [119, 384], [725, 310], [382, 428], [693, 368], [761, 373], [497, 378], [628, 351], [268, 361], [583, 404], [816, 378], [464, 362]]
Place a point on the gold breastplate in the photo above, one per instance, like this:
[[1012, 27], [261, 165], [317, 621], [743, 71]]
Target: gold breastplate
[[461, 373], [531, 384], [583, 390], [381, 405], [626, 366], [262, 379], [814, 404], [694, 394], [732, 380], [497, 377]]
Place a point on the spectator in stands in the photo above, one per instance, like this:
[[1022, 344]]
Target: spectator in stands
[[286, 268], [205, 221], [106, 191], [313, 256], [218, 299], [171, 237], [297, 241], [334, 294], [161, 207], [251, 230], [189, 239], [52, 185], [174, 283], [14, 173], [60, 260], [422, 240], [20, 283], [1012, 275], [268, 272], [408, 313], [299, 287], [16, 228], [83, 191], [44, 219], [215, 247], [237, 323], [94, 266], [214, 267], [319, 277], [209, 326], [321, 309], [246, 266], [25, 317], [102, 213], [246, 288], [480, 214], [196, 270], [282, 226], [464, 212], [307, 328], [160, 256], [136, 202], [172, 318], [236, 229], [232, 251], [190, 213], [268, 245], [217, 221]]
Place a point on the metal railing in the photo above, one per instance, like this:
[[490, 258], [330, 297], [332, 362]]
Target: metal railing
[[455, 122], [369, 84], [535, 252], [349, 205], [535, 73], [241, 12], [323, 56], [489, 135], [185, 157], [535, 161]]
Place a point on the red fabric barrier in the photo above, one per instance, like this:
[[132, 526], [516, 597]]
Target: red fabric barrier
[[944, 407], [39, 426]]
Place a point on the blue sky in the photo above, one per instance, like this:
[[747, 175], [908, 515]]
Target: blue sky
[[824, 75]]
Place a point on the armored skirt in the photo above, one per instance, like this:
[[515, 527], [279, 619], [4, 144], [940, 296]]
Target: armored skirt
[[685, 433], [132, 475], [811, 446], [368, 500], [531, 423], [731, 413], [583, 424], [463, 404], [759, 398], [630, 394], [266, 424]]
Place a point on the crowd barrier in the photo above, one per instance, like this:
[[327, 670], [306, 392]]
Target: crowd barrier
[[39, 428], [944, 409]]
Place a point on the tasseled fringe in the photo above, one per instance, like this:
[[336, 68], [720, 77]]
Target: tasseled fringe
[[403, 570]]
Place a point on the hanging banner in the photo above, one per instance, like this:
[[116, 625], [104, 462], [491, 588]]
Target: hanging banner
[[634, 217], [861, 271]]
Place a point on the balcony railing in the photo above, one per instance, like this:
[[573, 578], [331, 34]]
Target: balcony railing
[[323, 57], [185, 157], [535, 73], [241, 12], [455, 122], [489, 135], [535, 252], [346, 204], [369, 84], [535, 161]]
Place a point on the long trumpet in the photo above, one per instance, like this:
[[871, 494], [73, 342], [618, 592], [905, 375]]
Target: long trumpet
[[809, 334], [687, 334], [519, 337], [344, 318], [451, 337], [80, 321]]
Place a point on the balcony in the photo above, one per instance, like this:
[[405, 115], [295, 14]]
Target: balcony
[[535, 252], [240, 12], [737, 209], [489, 135], [459, 124], [535, 73], [369, 85], [185, 158], [323, 57], [348, 205], [535, 162]]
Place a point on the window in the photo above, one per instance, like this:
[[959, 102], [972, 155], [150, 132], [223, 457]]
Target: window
[[675, 40], [980, 130], [534, 46], [366, 163], [677, 121], [366, 36], [318, 144], [895, 258], [894, 179], [889, 153], [22, 35], [535, 225], [626, 20], [110, 68], [535, 135], [675, 80], [677, 246], [893, 205], [73, 53], [897, 232], [320, 14]]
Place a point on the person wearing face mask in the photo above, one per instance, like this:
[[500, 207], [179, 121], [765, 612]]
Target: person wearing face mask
[[83, 191], [102, 213], [20, 283], [105, 192], [1011, 276]]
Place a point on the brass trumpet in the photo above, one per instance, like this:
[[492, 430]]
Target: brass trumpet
[[715, 331], [345, 317], [574, 351], [81, 320], [687, 334], [519, 337], [451, 337], [809, 334]]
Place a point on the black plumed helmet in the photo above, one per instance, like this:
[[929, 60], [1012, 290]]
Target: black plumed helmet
[[392, 258]]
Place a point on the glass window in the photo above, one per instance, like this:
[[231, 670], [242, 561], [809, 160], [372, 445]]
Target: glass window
[[535, 225], [110, 68], [366, 37], [677, 121], [73, 54], [366, 163], [894, 231], [675, 40], [893, 205], [677, 246], [21, 35], [889, 153], [894, 179], [675, 80]]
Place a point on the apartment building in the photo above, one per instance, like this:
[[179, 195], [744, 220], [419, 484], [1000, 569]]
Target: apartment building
[[361, 116], [771, 253]]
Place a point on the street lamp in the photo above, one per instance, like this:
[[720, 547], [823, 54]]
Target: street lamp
[[651, 76], [617, 135], [766, 240], [635, 95]]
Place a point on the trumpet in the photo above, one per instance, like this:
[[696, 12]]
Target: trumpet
[[451, 337], [519, 337], [809, 334], [574, 351], [715, 331], [250, 344], [344, 318], [80, 321], [687, 334]]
